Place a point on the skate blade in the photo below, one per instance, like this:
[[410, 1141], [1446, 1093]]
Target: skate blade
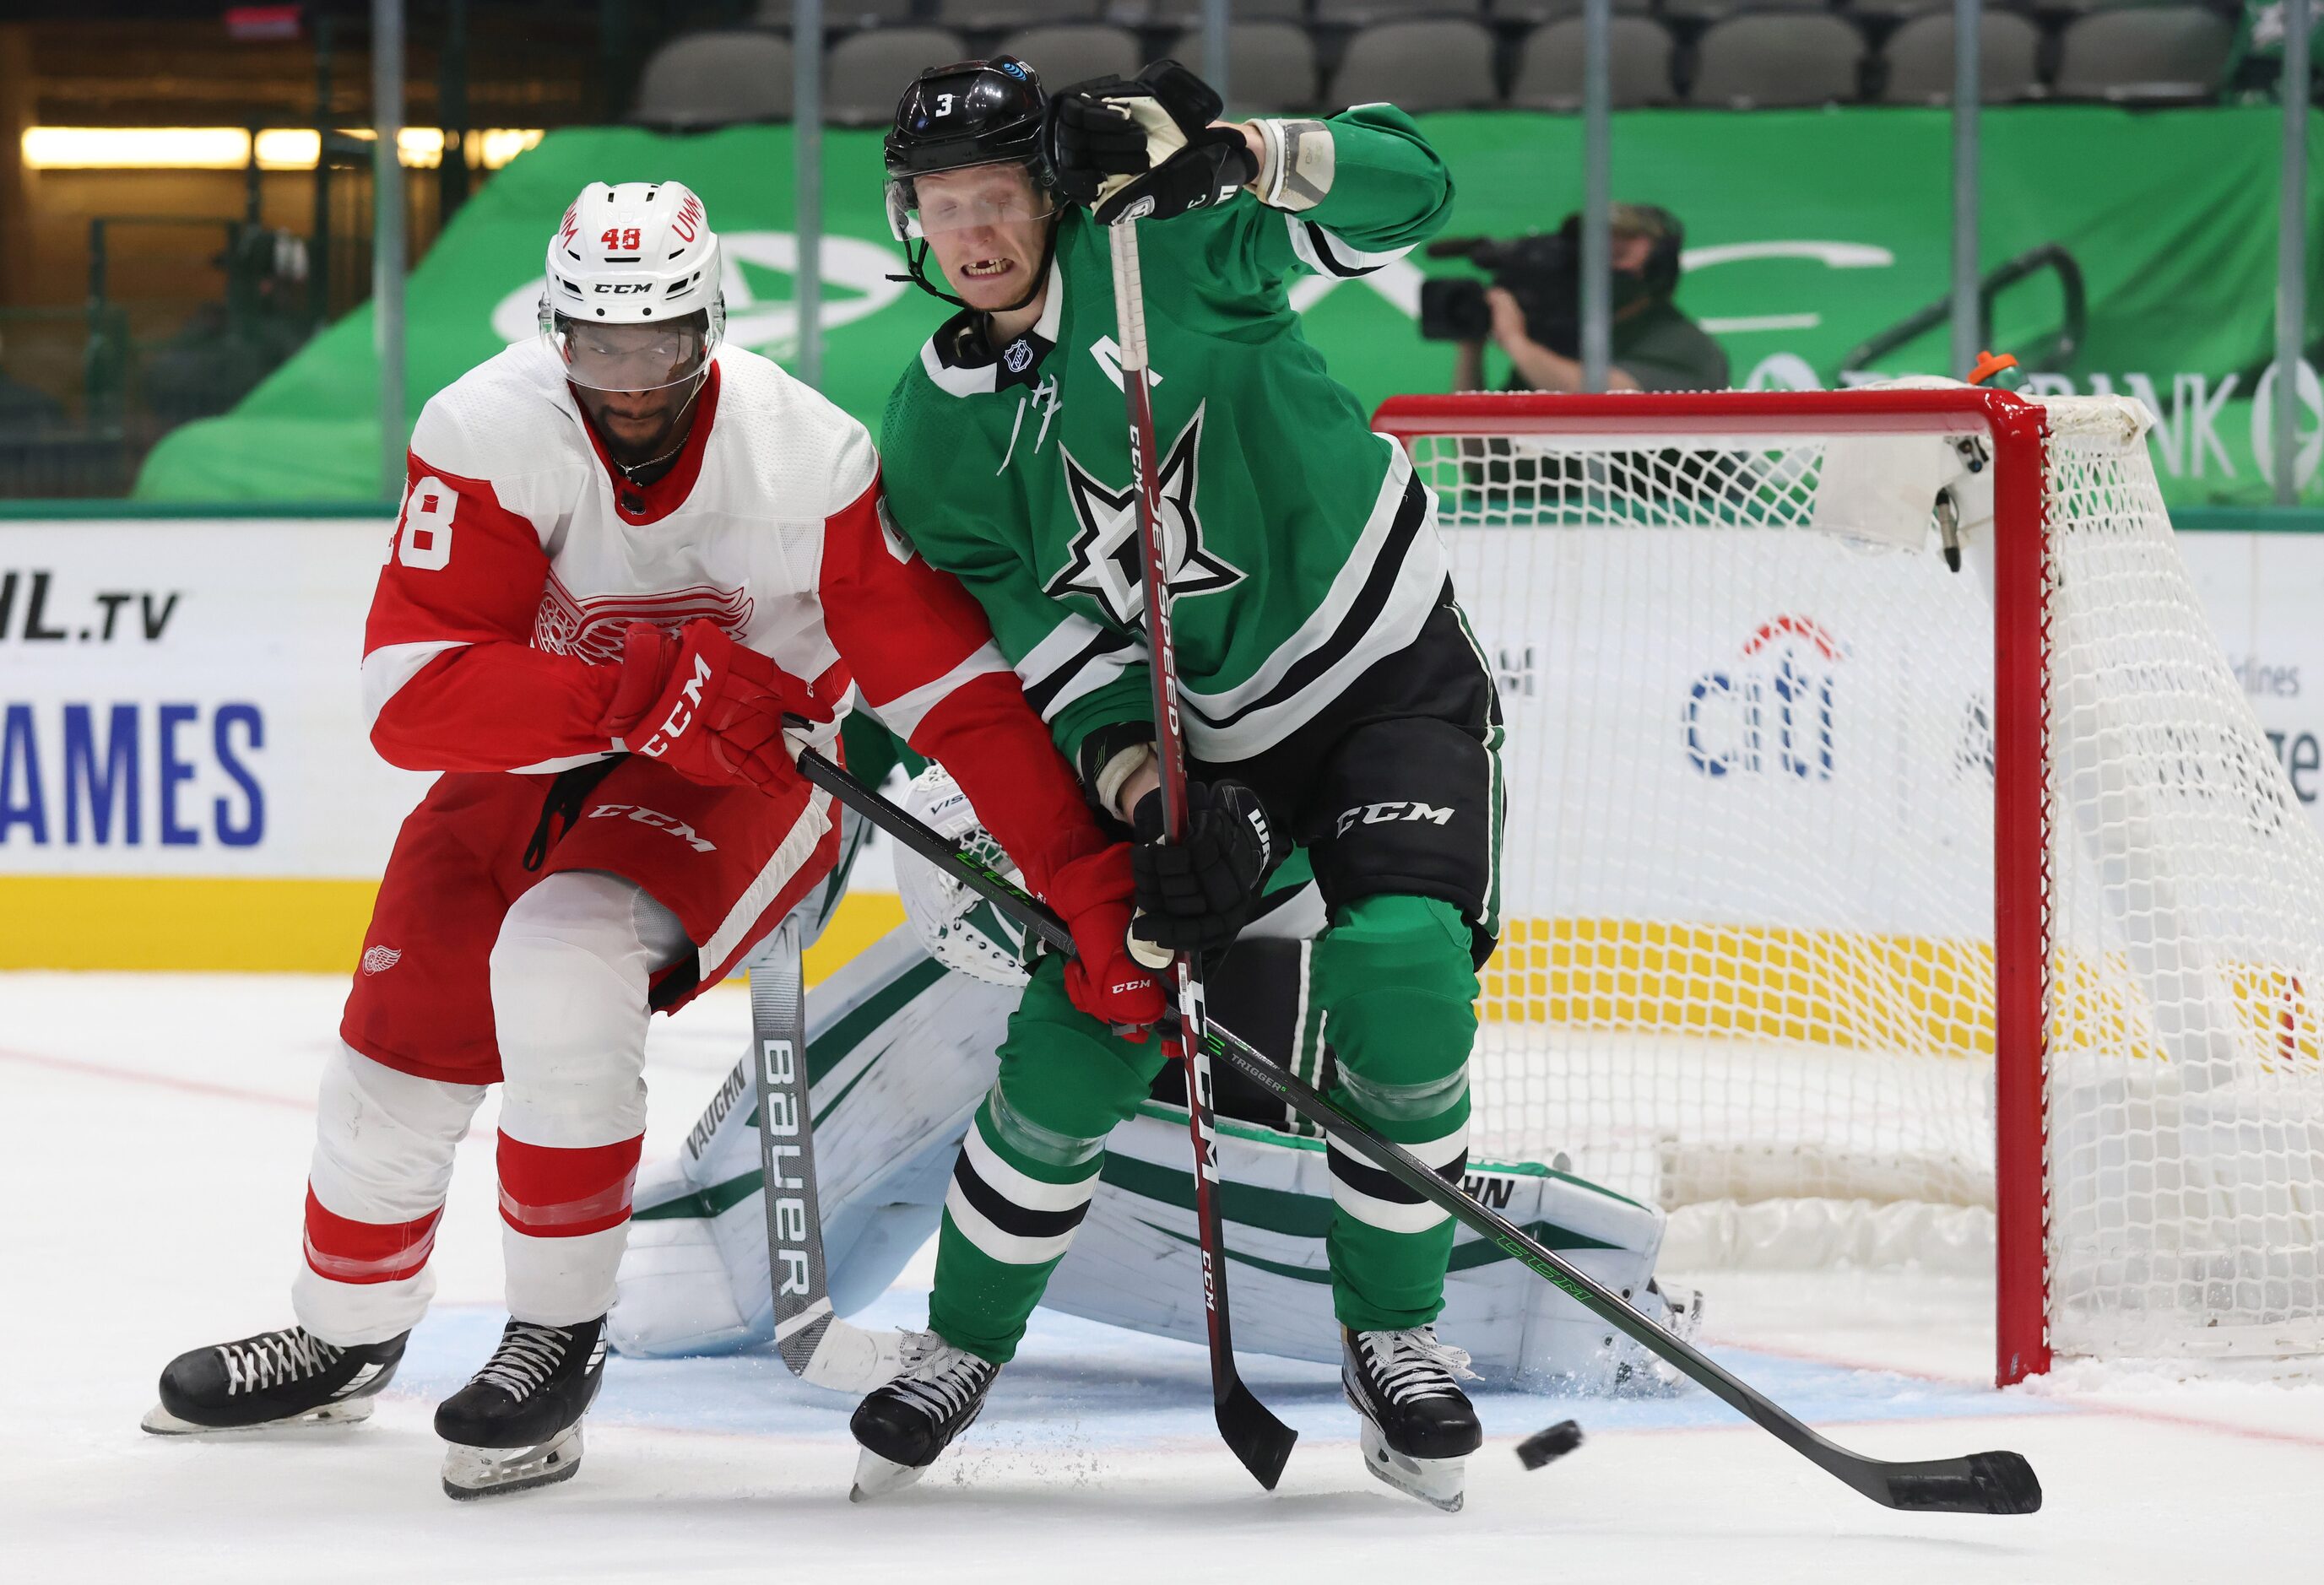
[[471, 1472], [1438, 1482], [161, 1422], [878, 1477]]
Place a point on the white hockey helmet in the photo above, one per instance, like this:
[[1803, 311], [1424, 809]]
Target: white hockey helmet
[[960, 929], [640, 254]]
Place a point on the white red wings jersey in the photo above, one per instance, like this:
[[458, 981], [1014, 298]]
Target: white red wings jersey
[[520, 557]]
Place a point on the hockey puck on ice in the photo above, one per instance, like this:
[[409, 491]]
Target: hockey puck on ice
[[1555, 1442]]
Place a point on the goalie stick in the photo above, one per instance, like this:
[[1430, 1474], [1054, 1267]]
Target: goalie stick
[[815, 1345], [1979, 1483], [1262, 1442]]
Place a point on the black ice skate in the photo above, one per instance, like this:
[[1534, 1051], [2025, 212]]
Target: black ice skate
[[1419, 1428], [517, 1424], [904, 1425], [277, 1378]]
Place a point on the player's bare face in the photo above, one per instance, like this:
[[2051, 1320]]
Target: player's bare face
[[987, 226]]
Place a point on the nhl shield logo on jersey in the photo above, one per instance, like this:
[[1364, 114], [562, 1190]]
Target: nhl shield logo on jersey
[[1102, 560]]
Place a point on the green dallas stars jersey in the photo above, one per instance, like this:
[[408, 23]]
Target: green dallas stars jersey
[[1302, 548]]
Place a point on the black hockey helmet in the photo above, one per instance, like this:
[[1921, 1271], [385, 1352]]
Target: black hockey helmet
[[971, 113]]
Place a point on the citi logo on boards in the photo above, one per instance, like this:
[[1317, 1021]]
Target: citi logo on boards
[[1771, 713]]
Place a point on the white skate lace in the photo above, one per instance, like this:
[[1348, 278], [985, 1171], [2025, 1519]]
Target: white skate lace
[[1412, 1364], [939, 1380], [528, 1356], [276, 1358]]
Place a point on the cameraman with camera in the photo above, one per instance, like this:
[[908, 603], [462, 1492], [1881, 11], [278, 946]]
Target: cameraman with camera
[[1533, 308]]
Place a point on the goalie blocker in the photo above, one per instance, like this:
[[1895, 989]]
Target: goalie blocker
[[901, 1049]]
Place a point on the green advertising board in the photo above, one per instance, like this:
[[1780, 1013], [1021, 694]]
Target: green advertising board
[[1808, 232]]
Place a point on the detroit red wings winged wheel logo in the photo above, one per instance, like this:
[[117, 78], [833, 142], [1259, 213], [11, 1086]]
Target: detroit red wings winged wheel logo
[[591, 629]]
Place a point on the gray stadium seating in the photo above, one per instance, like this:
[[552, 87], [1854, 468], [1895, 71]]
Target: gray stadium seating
[[1363, 13], [840, 14], [715, 79], [1777, 61], [1718, 9], [2165, 52], [1920, 56], [1896, 10], [1072, 51], [987, 15], [866, 73], [1559, 10], [1190, 13], [1549, 65], [1270, 65], [1446, 64]]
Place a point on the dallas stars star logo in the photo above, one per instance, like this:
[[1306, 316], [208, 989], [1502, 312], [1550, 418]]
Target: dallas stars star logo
[[1103, 562]]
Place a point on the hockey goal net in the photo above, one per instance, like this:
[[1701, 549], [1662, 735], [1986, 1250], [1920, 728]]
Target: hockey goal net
[[1835, 878]]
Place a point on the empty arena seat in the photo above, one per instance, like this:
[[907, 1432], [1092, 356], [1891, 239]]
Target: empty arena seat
[[987, 15], [1537, 11], [1190, 13], [1778, 60], [1270, 65], [1445, 63], [1639, 60], [840, 14], [715, 79], [1072, 51], [866, 73], [2165, 52], [1719, 10], [1920, 57], [1362, 13]]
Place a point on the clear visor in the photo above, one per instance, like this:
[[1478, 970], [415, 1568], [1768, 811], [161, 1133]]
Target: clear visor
[[628, 357], [999, 194]]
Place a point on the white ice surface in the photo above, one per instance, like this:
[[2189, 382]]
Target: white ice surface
[[153, 1139]]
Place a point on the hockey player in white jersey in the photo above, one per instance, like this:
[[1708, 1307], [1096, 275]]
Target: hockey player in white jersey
[[627, 557]]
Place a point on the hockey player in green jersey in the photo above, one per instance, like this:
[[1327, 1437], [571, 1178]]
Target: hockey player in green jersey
[[1331, 695]]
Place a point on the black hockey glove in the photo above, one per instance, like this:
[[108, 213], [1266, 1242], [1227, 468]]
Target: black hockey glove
[[1144, 150], [1196, 894]]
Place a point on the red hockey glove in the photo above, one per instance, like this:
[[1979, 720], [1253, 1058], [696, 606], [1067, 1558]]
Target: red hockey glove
[[707, 707], [1093, 894]]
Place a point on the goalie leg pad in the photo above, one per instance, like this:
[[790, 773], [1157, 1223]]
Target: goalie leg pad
[[1394, 977]]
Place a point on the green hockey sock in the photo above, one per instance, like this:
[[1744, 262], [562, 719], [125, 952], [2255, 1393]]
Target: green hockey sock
[[1028, 1165], [1394, 977]]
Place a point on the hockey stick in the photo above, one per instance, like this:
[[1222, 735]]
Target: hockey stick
[[1250, 1428], [815, 1345], [1981, 1483]]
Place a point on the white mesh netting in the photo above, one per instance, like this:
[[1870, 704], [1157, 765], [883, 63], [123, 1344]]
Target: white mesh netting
[[1748, 875]]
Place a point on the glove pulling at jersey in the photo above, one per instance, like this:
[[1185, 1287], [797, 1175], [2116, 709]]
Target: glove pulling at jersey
[[1093, 894], [1146, 148], [707, 708], [1196, 894]]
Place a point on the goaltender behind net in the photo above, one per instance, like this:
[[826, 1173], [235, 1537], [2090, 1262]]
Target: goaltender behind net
[[627, 555]]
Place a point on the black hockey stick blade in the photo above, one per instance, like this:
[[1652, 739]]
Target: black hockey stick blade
[[1981, 1483], [1253, 1435]]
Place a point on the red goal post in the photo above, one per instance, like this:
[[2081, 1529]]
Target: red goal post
[[1735, 480]]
